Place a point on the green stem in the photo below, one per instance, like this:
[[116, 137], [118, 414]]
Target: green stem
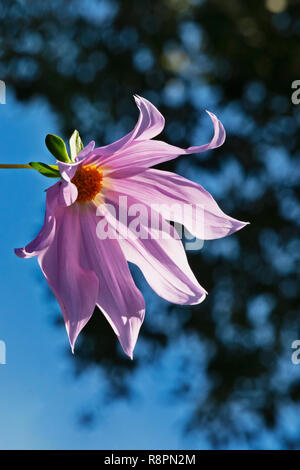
[[14, 166]]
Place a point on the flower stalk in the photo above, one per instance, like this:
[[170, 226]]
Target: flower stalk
[[14, 166]]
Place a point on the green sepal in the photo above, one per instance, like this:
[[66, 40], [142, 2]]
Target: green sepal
[[51, 171], [76, 145], [57, 147]]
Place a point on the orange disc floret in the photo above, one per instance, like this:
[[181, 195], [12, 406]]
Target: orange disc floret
[[88, 180]]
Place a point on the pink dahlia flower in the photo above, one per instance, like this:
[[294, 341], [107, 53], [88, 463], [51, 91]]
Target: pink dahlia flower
[[85, 269]]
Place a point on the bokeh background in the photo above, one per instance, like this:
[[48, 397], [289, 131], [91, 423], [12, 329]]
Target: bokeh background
[[218, 375]]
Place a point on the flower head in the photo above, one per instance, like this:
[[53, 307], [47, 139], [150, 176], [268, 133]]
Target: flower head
[[85, 268]]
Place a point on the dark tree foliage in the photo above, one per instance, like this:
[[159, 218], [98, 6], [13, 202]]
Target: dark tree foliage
[[237, 58]]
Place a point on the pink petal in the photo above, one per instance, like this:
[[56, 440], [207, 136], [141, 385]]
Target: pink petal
[[120, 300], [68, 193], [140, 155], [46, 235], [68, 170], [217, 140], [188, 202], [85, 151], [41, 242], [150, 123], [75, 287], [162, 260]]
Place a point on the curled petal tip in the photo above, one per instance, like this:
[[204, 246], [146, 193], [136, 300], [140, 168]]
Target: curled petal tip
[[72, 344], [127, 350], [201, 298], [238, 225], [19, 252], [22, 253], [130, 355], [129, 335]]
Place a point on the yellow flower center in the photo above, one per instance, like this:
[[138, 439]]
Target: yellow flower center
[[88, 180]]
